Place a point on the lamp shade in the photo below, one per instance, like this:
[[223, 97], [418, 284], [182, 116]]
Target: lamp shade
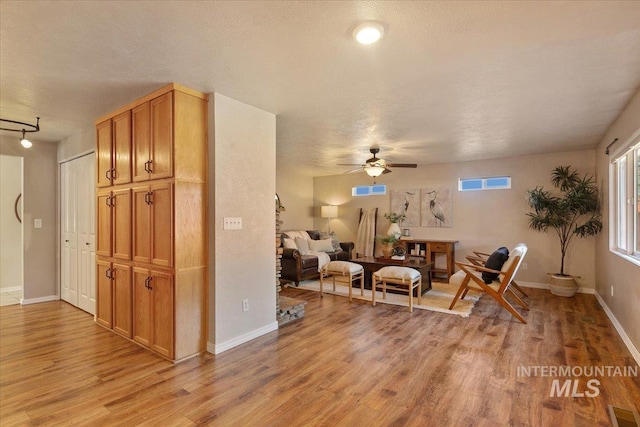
[[329, 211]]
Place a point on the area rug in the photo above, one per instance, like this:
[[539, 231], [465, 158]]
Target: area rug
[[437, 299]]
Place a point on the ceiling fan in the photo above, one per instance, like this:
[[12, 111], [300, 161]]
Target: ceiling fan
[[375, 167]]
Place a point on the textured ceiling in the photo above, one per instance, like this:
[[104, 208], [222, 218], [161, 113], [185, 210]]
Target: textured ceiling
[[450, 81]]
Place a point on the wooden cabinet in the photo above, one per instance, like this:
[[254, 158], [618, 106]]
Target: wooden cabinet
[[430, 250], [113, 150], [153, 139], [104, 309], [114, 297], [114, 223], [153, 310], [155, 224]]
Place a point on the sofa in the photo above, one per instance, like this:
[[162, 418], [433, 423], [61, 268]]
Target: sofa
[[302, 250]]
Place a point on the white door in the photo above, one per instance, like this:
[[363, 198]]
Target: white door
[[69, 235], [77, 279], [86, 217]]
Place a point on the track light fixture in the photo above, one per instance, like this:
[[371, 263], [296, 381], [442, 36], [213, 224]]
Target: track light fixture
[[24, 141]]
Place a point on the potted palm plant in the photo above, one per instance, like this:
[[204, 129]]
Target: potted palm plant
[[573, 210]]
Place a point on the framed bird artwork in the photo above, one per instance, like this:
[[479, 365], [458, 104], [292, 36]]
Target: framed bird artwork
[[437, 207]]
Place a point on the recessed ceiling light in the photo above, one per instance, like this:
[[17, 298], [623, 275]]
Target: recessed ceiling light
[[368, 32]]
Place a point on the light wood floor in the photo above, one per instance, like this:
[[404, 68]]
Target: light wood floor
[[342, 365]]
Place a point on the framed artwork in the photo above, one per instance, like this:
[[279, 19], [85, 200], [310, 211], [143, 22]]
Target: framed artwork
[[437, 207], [407, 202]]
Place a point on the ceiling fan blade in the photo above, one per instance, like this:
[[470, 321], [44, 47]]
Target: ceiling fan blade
[[402, 165], [354, 170], [350, 164], [386, 170]]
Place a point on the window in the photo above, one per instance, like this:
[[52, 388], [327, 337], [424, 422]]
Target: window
[[625, 202], [369, 190], [494, 183]]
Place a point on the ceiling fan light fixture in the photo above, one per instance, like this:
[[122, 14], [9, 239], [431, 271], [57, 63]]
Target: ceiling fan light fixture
[[368, 32], [374, 171]]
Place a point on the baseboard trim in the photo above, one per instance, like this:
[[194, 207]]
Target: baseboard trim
[[545, 286], [219, 348], [625, 338], [24, 301], [11, 289]]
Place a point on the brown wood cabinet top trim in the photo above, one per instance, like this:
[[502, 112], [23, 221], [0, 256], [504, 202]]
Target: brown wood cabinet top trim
[[153, 95]]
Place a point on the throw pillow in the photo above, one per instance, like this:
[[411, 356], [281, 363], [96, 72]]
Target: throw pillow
[[334, 240], [288, 243], [495, 262], [302, 245], [320, 245]]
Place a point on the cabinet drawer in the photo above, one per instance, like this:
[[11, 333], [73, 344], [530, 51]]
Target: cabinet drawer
[[438, 247]]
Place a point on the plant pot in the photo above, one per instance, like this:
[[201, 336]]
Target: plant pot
[[387, 249], [394, 230], [563, 286]]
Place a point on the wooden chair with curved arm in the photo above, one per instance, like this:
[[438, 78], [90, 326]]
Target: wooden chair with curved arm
[[470, 277], [480, 259]]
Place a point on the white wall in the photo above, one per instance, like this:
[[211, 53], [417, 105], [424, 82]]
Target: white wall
[[40, 201], [10, 227], [612, 270], [241, 184], [482, 220], [77, 144]]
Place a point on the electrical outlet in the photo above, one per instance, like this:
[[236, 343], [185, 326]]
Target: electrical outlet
[[611, 290], [245, 305]]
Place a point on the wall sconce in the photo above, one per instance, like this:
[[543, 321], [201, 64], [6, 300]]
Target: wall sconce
[[329, 212]]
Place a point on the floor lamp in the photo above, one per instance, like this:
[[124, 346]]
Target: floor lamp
[[329, 212]]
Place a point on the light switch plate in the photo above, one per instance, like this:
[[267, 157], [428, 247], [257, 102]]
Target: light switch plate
[[232, 223], [37, 223]]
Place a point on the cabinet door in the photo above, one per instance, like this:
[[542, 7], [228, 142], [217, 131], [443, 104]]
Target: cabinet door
[[142, 224], [104, 153], [121, 205], [162, 289], [162, 224], [162, 136], [104, 229], [122, 303], [121, 128], [141, 142], [142, 307], [104, 314]]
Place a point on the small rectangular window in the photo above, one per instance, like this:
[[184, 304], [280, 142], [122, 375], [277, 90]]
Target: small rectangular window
[[369, 190], [493, 183]]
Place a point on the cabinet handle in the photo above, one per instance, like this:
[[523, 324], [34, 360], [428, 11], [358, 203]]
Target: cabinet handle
[[107, 174], [113, 173], [106, 273], [150, 200], [150, 287], [108, 201], [150, 170], [147, 166]]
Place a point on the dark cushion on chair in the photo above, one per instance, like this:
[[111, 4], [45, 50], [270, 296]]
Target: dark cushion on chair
[[495, 262]]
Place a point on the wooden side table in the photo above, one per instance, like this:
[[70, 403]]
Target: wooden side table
[[429, 249]]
